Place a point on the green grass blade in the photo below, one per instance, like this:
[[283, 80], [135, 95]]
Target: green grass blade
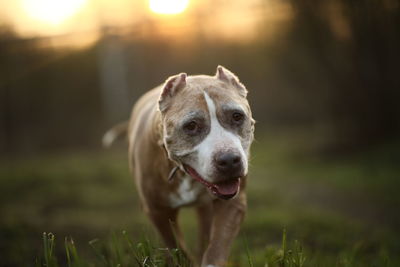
[[284, 247], [246, 245], [67, 252], [48, 250]]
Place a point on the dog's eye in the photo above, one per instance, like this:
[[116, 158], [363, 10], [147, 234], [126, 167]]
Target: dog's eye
[[191, 127], [237, 117]]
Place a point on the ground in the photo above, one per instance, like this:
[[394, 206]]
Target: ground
[[342, 210]]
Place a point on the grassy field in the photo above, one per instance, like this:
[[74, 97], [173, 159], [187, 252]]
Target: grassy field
[[343, 211]]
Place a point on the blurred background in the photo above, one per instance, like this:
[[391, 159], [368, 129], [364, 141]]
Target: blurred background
[[324, 86]]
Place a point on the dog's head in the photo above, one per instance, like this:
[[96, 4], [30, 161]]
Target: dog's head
[[208, 128]]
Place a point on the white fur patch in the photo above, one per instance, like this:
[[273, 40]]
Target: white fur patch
[[218, 139], [188, 192]]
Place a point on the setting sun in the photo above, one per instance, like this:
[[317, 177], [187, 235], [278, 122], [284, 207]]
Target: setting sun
[[168, 6], [52, 11]]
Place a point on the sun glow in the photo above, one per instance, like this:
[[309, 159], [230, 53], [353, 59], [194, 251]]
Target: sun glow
[[168, 6], [52, 11]]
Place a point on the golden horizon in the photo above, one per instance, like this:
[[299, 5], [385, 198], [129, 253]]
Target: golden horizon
[[240, 21], [168, 7], [52, 12]]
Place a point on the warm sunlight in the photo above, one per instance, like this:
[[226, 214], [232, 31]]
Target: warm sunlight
[[168, 6], [52, 11]]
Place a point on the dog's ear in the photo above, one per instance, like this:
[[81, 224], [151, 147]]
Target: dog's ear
[[171, 86], [227, 76]]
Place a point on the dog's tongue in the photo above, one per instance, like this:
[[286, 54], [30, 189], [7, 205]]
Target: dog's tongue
[[228, 187]]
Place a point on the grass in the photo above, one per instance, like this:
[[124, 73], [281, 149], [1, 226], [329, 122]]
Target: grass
[[122, 251], [342, 211]]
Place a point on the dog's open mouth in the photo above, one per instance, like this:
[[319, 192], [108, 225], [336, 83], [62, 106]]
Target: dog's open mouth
[[224, 190]]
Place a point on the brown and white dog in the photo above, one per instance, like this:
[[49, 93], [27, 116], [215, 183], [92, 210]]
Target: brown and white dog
[[189, 142]]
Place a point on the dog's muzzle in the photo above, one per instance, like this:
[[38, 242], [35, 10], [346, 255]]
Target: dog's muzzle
[[228, 165]]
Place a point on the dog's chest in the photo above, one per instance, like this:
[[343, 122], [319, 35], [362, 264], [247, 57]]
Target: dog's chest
[[188, 192]]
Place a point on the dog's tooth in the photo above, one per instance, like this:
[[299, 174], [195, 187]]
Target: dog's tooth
[[172, 173]]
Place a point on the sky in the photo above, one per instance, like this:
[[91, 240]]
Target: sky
[[53, 17], [231, 19]]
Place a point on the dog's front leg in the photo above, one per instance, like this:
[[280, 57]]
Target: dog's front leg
[[227, 218]]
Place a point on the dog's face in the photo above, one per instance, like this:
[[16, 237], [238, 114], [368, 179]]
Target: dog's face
[[208, 128]]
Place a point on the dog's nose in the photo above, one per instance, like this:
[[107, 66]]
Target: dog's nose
[[229, 164]]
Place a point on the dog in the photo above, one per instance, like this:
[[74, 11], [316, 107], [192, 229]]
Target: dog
[[189, 144]]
